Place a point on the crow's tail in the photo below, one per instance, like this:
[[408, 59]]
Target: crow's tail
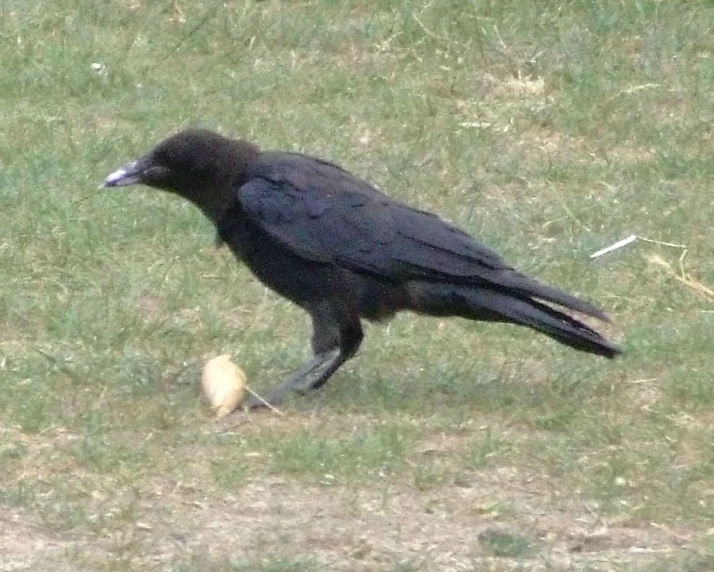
[[515, 305], [525, 311]]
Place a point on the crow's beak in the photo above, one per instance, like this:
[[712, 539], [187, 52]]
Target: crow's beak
[[129, 174]]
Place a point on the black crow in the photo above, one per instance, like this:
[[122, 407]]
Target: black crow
[[343, 251]]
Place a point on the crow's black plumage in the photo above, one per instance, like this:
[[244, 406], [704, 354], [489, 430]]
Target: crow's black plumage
[[344, 251]]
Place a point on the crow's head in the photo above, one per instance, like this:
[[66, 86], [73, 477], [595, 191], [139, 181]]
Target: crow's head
[[197, 164]]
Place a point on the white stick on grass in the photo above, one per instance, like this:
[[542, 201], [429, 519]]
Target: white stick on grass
[[619, 244]]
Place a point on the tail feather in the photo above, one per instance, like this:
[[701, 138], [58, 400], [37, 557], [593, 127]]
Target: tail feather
[[497, 306], [529, 288]]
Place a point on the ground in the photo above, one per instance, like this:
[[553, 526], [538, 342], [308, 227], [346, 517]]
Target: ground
[[499, 519], [547, 130]]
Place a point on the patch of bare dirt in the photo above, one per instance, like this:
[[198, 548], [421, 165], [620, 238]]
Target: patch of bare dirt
[[343, 530], [367, 529], [337, 526], [30, 546], [339, 530]]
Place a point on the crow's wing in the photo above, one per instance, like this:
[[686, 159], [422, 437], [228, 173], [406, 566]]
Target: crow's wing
[[364, 232], [323, 214]]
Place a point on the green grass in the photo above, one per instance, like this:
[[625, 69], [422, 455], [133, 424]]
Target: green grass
[[549, 130]]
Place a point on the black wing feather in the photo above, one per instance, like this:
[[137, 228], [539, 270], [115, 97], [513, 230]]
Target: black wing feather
[[325, 215]]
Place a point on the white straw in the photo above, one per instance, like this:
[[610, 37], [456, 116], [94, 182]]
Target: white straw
[[619, 244]]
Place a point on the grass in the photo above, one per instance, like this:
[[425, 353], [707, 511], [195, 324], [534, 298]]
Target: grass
[[547, 129]]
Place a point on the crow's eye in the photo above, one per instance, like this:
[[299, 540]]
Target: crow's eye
[[156, 174]]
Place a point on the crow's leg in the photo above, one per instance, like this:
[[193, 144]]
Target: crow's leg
[[336, 338]]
